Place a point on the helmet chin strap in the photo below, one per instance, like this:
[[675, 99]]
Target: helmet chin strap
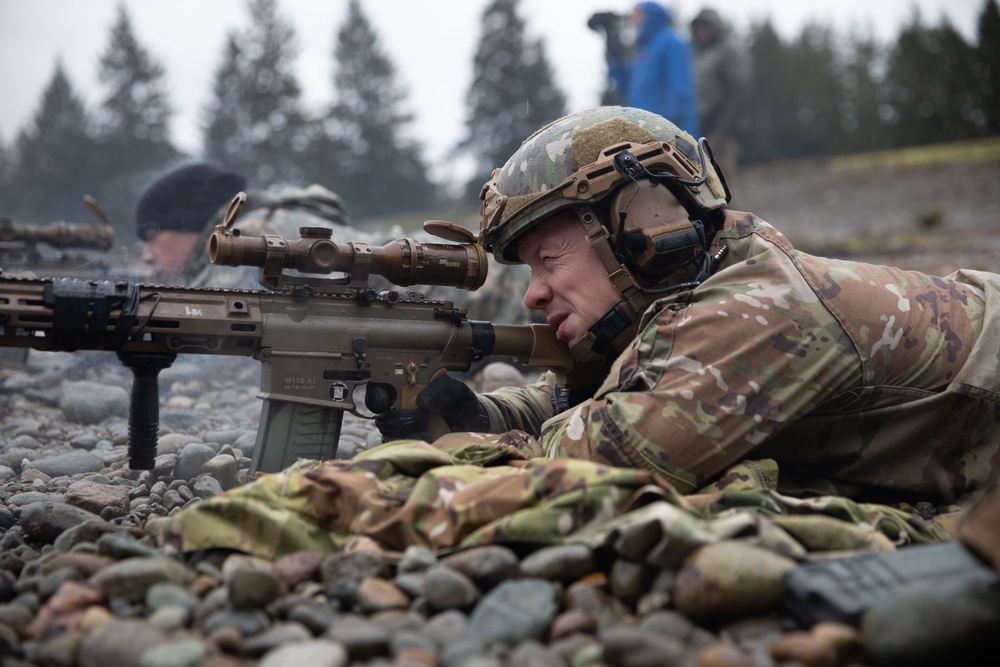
[[599, 338]]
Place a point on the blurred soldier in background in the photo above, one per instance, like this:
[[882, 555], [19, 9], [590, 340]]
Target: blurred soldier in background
[[172, 213], [658, 75], [724, 77], [178, 212], [612, 26]]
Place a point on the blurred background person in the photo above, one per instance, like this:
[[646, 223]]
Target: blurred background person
[[178, 212], [172, 214], [658, 75], [724, 79], [617, 46]]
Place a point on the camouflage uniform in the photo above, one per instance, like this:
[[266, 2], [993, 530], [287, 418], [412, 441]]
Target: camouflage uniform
[[463, 492], [851, 376]]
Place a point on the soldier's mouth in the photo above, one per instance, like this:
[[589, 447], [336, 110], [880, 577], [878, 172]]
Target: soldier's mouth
[[556, 322]]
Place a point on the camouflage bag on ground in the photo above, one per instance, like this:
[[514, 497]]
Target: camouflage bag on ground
[[470, 490]]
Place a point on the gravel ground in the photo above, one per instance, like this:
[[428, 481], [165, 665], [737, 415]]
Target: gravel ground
[[934, 218]]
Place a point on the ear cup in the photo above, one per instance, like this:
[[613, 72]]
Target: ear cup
[[657, 234]]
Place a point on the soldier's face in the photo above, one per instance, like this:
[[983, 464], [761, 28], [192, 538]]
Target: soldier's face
[[165, 254], [568, 282]]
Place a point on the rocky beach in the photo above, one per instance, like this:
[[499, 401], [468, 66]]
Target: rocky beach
[[87, 581]]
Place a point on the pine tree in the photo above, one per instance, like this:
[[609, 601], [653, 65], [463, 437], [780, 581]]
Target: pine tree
[[863, 126], [6, 161], [53, 159], [227, 120], [816, 99], [382, 172], [770, 110], [988, 66], [255, 123], [133, 122], [931, 85], [512, 93]]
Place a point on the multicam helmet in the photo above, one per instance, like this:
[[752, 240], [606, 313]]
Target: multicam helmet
[[572, 162]]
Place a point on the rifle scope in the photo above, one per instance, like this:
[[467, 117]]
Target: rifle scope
[[403, 262]]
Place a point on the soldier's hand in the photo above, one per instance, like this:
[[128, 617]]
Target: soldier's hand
[[451, 399]]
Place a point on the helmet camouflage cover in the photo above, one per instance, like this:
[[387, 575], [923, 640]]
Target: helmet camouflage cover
[[571, 162]]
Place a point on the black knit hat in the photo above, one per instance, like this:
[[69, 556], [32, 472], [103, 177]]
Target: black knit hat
[[185, 199]]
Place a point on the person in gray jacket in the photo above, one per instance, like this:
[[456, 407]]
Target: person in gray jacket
[[724, 77]]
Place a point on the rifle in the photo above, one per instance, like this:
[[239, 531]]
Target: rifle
[[21, 241], [19, 250], [326, 344], [843, 590]]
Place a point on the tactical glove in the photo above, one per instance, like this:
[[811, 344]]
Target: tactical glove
[[446, 397]]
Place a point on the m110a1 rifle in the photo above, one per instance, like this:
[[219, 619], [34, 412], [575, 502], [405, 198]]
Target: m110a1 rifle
[[328, 341]]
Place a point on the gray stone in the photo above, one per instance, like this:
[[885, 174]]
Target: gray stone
[[191, 458], [166, 594], [486, 566], [361, 637], [118, 642], [69, 464], [28, 498], [445, 588], [223, 469], [172, 443], [91, 403], [246, 443], [84, 440], [514, 611], [180, 419], [44, 522], [630, 646], [275, 636], [316, 653], [131, 579], [176, 653], [563, 562], [416, 558], [252, 589], [353, 567], [206, 487], [88, 531]]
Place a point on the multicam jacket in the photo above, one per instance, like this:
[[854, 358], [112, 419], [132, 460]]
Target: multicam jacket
[[852, 377]]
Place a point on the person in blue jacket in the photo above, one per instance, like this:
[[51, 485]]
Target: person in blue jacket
[[659, 76]]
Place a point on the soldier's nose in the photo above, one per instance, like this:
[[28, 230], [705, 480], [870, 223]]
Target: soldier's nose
[[537, 295]]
